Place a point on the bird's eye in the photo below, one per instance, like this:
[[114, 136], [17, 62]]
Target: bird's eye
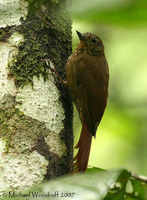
[[94, 40]]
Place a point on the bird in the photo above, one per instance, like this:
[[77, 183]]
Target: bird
[[87, 79]]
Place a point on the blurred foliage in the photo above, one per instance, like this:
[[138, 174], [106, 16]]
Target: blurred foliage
[[118, 12], [96, 184], [122, 134]]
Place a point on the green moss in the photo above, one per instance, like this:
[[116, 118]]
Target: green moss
[[27, 63], [5, 33], [6, 116], [47, 34]]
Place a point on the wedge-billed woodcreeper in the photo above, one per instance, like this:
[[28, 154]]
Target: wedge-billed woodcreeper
[[87, 77]]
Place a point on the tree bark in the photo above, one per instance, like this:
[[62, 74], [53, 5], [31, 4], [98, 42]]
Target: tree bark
[[36, 135]]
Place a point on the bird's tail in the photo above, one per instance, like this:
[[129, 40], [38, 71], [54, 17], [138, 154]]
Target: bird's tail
[[84, 145]]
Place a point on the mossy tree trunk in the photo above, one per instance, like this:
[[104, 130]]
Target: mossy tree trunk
[[35, 109]]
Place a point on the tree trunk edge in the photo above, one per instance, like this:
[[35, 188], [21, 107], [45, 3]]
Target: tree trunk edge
[[60, 40]]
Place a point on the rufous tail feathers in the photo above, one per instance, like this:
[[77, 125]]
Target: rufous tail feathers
[[84, 145]]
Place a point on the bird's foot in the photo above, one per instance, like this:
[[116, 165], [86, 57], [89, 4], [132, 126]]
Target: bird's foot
[[53, 70]]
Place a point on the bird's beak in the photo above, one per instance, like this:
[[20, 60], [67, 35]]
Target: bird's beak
[[80, 35]]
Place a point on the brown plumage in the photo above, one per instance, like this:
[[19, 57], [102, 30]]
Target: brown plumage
[[87, 80]]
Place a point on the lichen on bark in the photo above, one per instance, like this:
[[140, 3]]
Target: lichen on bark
[[47, 34], [44, 33]]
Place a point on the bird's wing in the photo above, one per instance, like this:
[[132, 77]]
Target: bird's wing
[[92, 79]]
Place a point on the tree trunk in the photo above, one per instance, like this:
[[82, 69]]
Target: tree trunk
[[36, 136]]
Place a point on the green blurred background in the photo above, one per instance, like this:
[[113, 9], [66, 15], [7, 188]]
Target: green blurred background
[[122, 135]]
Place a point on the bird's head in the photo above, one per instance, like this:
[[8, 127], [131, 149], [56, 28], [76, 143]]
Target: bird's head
[[91, 43]]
